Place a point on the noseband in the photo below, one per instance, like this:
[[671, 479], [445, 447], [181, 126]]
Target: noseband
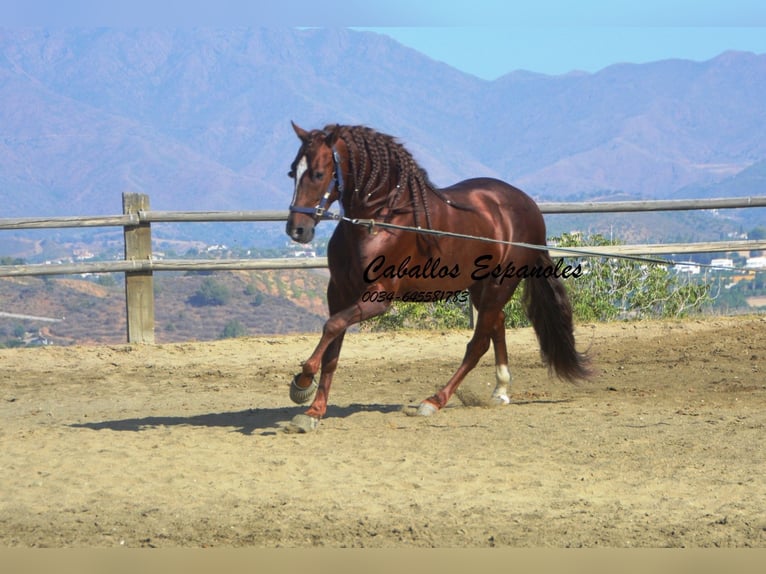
[[320, 211]]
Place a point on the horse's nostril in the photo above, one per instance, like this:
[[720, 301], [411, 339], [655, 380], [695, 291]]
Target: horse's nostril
[[300, 234]]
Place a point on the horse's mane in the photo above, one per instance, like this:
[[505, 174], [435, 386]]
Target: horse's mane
[[377, 160]]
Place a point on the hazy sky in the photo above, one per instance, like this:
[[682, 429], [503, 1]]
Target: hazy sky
[[490, 52], [487, 38]]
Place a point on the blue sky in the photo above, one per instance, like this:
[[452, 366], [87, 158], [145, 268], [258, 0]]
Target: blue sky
[[490, 52], [487, 38]]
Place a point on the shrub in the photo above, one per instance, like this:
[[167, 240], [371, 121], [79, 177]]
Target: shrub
[[233, 329], [614, 288], [210, 292], [609, 289]]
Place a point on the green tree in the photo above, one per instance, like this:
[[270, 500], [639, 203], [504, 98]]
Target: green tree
[[106, 280], [233, 329], [5, 260], [210, 292], [256, 296]]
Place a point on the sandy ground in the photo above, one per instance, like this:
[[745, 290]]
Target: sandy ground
[[181, 444]]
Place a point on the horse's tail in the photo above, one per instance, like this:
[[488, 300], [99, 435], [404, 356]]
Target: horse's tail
[[547, 305]]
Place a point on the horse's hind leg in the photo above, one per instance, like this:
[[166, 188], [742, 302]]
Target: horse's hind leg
[[502, 373], [490, 305]]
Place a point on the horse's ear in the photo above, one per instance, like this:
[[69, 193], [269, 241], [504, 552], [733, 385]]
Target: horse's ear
[[300, 132], [333, 136]]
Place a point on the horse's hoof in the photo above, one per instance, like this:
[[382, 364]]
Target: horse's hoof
[[500, 399], [302, 424], [300, 395], [426, 409]]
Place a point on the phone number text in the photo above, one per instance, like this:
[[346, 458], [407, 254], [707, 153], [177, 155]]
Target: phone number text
[[416, 296]]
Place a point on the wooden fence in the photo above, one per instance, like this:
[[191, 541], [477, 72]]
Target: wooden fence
[[139, 264]]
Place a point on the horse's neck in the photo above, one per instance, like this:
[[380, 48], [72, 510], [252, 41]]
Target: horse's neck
[[393, 199], [363, 204]]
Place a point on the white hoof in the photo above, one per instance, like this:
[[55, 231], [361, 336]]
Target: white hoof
[[501, 399], [302, 424], [426, 409]]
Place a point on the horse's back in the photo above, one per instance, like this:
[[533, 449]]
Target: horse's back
[[490, 189], [493, 198]]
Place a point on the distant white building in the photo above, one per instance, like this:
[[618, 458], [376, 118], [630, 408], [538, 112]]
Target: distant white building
[[690, 268], [755, 263], [307, 250], [723, 262], [83, 254]]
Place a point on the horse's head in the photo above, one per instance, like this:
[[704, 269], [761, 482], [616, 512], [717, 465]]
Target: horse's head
[[318, 181]]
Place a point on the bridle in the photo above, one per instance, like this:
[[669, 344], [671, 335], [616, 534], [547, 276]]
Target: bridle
[[320, 211]]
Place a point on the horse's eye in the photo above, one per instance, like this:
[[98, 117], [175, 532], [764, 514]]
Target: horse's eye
[[319, 175]]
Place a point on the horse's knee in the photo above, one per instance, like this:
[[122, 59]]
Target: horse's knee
[[334, 326]]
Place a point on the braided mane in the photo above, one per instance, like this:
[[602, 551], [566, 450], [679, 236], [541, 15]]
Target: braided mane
[[384, 171]]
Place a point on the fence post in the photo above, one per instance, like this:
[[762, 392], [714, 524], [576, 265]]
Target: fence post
[[139, 285]]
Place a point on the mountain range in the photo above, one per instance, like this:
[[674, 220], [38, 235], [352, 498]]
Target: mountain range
[[200, 119]]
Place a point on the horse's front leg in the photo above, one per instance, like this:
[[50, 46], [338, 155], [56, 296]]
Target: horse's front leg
[[326, 355]]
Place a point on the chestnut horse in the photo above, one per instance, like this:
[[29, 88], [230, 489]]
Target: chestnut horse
[[378, 254]]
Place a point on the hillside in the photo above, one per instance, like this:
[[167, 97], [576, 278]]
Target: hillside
[[89, 312], [200, 119], [749, 182]]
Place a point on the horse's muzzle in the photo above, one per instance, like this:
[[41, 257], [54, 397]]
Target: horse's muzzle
[[300, 233]]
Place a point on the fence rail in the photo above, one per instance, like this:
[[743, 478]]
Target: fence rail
[[548, 208], [149, 265], [139, 263], [273, 264]]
